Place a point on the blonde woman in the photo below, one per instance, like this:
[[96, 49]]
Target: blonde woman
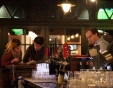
[[12, 54]]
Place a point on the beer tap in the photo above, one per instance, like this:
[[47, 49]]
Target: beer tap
[[13, 78]]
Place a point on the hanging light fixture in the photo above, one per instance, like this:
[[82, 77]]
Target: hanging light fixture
[[66, 6], [93, 0]]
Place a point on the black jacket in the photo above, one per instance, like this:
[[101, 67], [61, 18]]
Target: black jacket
[[34, 55]]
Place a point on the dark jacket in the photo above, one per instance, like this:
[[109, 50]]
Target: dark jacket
[[34, 55]]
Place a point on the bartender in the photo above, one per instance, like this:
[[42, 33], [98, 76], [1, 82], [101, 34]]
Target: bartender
[[93, 38], [35, 53]]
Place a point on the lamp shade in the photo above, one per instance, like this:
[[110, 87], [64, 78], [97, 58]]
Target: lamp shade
[[66, 6], [93, 0]]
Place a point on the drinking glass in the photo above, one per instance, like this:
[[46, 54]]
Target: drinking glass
[[70, 78], [70, 74], [111, 78], [33, 73], [76, 74]]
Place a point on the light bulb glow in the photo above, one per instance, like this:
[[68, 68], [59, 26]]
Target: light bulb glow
[[93, 0], [72, 36], [66, 7], [68, 38], [77, 35], [50, 39]]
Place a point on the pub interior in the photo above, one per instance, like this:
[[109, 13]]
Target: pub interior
[[65, 41]]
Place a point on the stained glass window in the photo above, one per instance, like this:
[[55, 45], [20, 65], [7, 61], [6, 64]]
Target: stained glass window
[[11, 10], [105, 13]]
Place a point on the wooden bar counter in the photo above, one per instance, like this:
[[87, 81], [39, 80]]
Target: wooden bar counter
[[75, 62], [32, 83], [26, 70], [22, 70]]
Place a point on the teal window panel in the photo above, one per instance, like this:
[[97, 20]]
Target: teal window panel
[[11, 10], [102, 14], [109, 11], [84, 14], [4, 13], [112, 17]]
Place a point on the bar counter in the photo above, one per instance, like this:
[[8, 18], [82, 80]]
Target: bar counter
[[32, 83], [22, 70], [11, 73], [20, 66], [26, 72], [75, 62]]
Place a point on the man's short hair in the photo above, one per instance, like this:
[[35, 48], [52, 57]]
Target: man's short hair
[[39, 40], [93, 30]]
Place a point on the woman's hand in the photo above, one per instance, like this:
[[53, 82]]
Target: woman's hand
[[15, 60]]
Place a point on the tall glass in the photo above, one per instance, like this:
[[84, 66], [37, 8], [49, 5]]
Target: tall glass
[[33, 74], [76, 74], [70, 79]]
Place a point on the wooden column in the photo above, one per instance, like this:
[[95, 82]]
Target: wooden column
[[45, 34]]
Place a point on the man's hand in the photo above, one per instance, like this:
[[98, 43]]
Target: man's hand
[[31, 62]]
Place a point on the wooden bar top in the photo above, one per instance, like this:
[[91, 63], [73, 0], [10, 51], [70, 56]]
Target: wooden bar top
[[35, 84], [23, 66], [80, 56], [22, 69], [31, 82]]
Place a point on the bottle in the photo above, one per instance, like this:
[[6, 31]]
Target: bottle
[[60, 79], [87, 65], [20, 81], [80, 66], [13, 78]]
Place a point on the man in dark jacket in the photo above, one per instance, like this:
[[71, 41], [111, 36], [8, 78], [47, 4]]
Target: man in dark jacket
[[35, 53]]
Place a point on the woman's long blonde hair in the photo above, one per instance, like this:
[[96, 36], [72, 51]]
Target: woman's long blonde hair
[[14, 43]]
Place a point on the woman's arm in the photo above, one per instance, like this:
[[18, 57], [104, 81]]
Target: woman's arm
[[6, 59]]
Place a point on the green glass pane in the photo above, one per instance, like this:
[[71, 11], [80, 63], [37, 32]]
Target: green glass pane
[[4, 13], [18, 31], [112, 17], [109, 11], [84, 14], [102, 14]]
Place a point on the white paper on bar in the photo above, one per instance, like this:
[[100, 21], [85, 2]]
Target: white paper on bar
[[93, 52]]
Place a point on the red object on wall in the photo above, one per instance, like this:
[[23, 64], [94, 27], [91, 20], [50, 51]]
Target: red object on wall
[[65, 50], [46, 52]]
